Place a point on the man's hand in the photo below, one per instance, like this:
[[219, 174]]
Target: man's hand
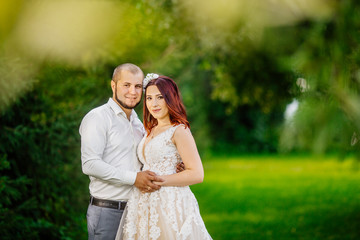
[[180, 167], [144, 181]]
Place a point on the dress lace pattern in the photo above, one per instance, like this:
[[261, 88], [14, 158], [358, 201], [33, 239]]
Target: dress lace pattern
[[166, 214]]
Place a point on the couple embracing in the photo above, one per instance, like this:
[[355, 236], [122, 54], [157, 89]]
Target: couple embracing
[[140, 173]]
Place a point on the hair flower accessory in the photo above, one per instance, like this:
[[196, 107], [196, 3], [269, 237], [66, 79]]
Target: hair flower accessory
[[148, 78]]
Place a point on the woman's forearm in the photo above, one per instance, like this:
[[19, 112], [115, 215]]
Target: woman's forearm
[[184, 178]]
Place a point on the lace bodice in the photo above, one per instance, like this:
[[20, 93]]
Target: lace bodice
[[170, 213], [161, 153]]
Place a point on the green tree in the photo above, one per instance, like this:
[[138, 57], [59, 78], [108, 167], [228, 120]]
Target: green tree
[[328, 59]]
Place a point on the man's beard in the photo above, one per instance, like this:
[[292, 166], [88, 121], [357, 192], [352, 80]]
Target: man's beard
[[124, 105]]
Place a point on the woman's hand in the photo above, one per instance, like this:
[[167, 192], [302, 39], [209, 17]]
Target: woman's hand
[[163, 182], [145, 181]]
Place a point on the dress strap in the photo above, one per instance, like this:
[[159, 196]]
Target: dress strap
[[172, 130]]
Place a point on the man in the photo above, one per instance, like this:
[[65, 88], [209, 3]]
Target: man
[[109, 138]]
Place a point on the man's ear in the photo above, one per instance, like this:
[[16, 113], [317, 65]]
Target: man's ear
[[113, 84]]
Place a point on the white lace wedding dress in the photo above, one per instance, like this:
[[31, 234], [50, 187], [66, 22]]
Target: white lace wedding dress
[[166, 214]]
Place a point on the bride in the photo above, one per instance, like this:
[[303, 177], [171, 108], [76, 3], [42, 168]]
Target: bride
[[171, 212]]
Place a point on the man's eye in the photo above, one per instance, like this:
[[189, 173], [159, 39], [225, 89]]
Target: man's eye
[[127, 85], [138, 86]]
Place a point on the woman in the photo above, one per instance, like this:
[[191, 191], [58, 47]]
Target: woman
[[171, 212]]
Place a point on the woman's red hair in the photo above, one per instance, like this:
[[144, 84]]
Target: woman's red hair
[[170, 91]]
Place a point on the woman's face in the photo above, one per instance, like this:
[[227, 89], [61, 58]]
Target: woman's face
[[155, 103]]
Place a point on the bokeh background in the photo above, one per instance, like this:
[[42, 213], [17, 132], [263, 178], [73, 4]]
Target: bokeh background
[[271, 88]]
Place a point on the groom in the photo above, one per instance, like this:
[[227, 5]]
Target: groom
[[109, 138]]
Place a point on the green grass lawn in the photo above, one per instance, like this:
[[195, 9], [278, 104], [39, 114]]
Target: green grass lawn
[[280, 197]]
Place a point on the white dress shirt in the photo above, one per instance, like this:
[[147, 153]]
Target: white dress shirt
[[108, 150]]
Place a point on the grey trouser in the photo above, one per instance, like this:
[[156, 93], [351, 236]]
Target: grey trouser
[[103, 223]]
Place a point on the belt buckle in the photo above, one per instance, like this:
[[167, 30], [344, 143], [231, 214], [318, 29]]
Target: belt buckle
[[122, 205], [119, 205]]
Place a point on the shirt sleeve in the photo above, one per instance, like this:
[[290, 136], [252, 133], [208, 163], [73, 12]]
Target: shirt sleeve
[[93, 131]]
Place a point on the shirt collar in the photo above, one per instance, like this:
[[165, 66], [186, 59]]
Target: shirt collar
[[118, 110]]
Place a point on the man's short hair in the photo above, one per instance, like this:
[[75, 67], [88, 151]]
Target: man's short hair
[[125, 67]]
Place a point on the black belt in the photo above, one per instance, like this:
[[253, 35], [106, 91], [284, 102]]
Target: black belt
[[107, 203]]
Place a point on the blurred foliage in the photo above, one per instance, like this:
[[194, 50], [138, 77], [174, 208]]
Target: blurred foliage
[[238, 64], [328, 58], [39, 144]]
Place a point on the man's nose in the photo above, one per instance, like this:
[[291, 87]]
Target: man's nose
[[132, 90]]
